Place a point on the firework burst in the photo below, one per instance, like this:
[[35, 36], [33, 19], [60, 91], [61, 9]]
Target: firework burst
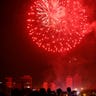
[[57, 25]]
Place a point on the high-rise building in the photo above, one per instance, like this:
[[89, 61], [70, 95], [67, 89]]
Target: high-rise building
[[9, 82], [69, 81], [52, 86], [77, 81], [26, 81], [45, 85]]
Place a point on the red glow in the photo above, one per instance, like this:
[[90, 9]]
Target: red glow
[[45, 85], [53, 86], [9, 82], [77, 81], [69, 82], [57, 25]]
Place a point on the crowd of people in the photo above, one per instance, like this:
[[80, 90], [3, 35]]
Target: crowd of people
[[44, 92], [39, 92]]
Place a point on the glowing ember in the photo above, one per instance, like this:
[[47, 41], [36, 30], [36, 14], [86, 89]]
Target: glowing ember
[[57, 25]]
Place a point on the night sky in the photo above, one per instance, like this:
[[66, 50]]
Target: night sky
[[19, 56]]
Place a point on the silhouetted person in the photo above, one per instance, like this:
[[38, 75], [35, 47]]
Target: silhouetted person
[[59, 91], [43, 92], [16, 92], [34, 93], [2, 94], [49, 92], [69, 91]]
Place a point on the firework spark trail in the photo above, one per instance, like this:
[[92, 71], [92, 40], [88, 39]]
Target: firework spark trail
[[56, 25]]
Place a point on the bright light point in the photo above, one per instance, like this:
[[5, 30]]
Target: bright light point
[[28, 86], [29, 20], [76, 89], [82, 88], [1, 82], [84, 94], [78, 92], [57, 26]]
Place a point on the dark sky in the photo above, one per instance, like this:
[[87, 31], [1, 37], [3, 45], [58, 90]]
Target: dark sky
[[20, 56]]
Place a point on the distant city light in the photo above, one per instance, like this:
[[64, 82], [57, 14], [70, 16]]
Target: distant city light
[[82, 88], [28, 87], [1, 82], [76, 89]]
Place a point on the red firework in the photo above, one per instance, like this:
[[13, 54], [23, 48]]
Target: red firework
[[57, 25]]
